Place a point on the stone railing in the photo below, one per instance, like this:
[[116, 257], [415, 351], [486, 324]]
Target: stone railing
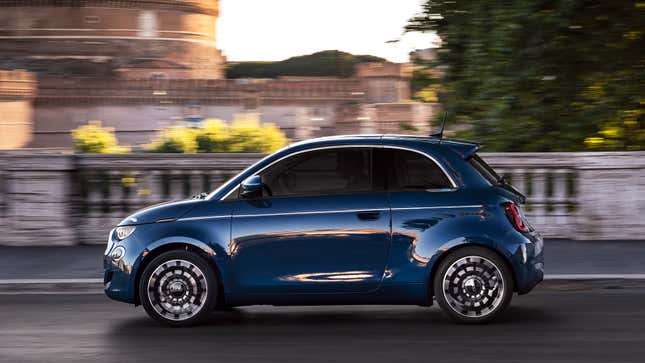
[[48, 198], [109, 187], [549, 184]]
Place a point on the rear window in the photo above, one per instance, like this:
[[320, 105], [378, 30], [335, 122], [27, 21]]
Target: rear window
[[484, 169], [413, 171]]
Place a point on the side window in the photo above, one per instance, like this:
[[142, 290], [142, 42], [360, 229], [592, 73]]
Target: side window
[[332, 171], [413, 171]]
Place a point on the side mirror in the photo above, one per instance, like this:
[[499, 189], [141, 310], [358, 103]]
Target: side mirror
[[251, 188]]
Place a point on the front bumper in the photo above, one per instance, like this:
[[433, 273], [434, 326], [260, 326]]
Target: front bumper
[[119, 275]]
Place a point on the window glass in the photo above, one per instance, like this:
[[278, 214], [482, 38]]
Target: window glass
[[484, 169], [333, 171], [413, 171]]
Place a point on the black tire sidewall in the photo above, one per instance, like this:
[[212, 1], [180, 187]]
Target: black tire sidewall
[[211, 281], [490, 255]]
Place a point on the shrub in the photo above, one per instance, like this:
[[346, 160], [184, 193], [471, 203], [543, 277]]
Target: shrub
[[245, 135], [95, 139], [174, 140], [248, 135], [213, 137]]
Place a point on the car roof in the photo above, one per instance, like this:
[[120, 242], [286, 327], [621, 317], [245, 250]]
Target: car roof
[[464, 148]]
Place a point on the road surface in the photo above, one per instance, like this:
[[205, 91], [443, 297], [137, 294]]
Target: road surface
[[576, 324]]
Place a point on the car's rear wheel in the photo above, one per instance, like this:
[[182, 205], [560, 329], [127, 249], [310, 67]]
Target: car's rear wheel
[[178, 288], [473, 285]]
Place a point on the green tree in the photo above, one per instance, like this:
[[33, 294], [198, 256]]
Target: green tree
[[537, 75], [329, 63]]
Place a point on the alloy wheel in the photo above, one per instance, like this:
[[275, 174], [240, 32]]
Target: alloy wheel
[[473, 286], [177, 289]]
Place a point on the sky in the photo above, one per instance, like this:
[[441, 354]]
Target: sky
[[268, 30]]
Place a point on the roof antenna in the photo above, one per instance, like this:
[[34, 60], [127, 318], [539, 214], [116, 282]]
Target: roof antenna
[[439, 135]]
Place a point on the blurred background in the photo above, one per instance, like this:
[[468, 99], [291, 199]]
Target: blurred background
[[108, 106]]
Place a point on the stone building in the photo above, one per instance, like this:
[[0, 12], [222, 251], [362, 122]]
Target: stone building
[[111, 38], [17, 92], [139, 66]]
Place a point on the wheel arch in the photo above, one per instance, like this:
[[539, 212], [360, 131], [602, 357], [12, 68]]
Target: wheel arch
[[439, 259], [202, 250]]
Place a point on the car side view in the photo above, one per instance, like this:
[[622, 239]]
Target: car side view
[[382, 219]]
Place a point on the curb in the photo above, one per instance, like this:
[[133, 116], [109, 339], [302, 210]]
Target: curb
[[555, 282], [50, 286]]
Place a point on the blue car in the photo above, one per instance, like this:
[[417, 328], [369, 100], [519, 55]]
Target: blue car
[[340, 220]]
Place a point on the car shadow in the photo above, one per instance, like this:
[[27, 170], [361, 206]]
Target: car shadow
[[300, 317]]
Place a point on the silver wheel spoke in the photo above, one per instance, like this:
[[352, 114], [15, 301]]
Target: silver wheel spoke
[[473, 286], [177, 290]]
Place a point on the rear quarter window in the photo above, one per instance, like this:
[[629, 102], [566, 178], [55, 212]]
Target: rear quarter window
[[484, 169], [413, 171]]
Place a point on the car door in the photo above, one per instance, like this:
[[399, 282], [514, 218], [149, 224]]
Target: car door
[[322, 226], [428, 211]]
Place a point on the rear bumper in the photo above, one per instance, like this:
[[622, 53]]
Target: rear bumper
[[530, 267], [534, 275]]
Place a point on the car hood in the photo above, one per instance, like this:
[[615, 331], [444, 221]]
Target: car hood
[[159, 212]]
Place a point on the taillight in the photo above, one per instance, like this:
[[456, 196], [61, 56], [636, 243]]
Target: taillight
[[514, 216]]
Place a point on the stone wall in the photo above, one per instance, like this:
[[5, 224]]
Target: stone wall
[[58, 199]]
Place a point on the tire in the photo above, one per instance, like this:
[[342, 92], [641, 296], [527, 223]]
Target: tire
[[473, 285], [178, 288]]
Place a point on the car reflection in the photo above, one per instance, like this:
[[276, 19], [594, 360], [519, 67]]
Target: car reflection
[[330, 234], [344, 276]]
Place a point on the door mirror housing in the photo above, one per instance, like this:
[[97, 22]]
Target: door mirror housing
[[251, 188]]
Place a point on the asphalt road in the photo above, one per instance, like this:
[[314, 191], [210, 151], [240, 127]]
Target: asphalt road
[[575, 325]]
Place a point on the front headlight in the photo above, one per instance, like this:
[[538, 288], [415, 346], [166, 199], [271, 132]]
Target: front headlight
[[124, 231]]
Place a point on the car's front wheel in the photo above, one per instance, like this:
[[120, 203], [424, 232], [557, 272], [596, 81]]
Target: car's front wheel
[[473, 285], [178, 288]]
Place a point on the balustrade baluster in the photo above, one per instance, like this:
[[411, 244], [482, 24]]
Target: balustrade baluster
[[116, 199], [216, 179], [518, 179], [538, 197], [154, 184], [560, 198], [196, 182], [94, 206], [176, 185], [137, 197]]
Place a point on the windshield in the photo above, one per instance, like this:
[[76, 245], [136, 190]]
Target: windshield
[[485, 170]]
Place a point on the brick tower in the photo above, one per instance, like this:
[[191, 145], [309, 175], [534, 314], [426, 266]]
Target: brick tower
[[161, 39]]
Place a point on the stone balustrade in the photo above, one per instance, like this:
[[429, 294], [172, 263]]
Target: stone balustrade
[[58, 199], [109, 187]]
